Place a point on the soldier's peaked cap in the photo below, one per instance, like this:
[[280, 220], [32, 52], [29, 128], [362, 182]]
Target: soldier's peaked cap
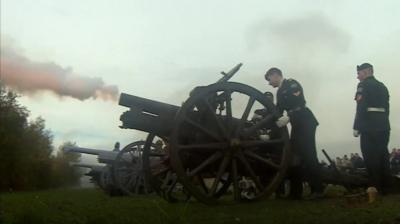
[[363, 66]]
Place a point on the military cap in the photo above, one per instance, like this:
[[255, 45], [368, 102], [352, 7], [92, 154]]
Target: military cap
[[363, 66]]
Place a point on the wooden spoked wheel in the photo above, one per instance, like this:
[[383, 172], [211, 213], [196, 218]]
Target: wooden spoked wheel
[[127, 169], [215, 141], [158, 172]]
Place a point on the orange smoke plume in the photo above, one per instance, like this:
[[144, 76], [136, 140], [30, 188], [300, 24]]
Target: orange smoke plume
[[27, 76]]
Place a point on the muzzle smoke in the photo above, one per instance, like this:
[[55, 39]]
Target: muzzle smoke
[[29, 77]]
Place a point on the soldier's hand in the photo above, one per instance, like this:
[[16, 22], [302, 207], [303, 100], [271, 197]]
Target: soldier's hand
[[356, 133], [282, 121], [256, 117], [264, 137]]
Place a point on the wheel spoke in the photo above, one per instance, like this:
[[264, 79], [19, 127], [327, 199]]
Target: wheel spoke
[[264, 160], [203, 129], [172, 186], [137, 187], [131, 181], [214, 157], [249, 105], [123, 160], [228, 94], [221, 171], [145, 187], [202, 183], [131, 153], [245, 115], [166, 180], [236, 191], [216, 119], [251, 172]]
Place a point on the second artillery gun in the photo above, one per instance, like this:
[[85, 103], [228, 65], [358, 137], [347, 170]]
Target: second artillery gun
[[122, 172]]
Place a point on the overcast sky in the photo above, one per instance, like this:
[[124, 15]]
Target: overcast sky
[[162, 49]]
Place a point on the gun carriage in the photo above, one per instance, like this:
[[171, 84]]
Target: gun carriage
[[210, 143]]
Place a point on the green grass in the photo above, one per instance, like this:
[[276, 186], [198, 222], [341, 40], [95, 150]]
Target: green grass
[[92, 206]]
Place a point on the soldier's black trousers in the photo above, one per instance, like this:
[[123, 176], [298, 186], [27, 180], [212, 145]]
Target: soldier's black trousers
[[303, 145], [374, 147]]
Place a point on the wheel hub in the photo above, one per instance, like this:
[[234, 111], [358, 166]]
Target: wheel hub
[[235, 142]]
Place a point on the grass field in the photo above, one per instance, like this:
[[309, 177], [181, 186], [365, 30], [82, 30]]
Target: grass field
[[93, 206]]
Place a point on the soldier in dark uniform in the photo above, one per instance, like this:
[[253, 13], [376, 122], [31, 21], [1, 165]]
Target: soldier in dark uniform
[[290, 98], [116, 147], [371, 123]]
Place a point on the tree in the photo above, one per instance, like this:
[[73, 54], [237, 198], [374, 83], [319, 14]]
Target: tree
[[64, 173], [26, 161], [13, 122]]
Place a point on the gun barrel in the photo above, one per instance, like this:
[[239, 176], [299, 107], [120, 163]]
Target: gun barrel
[[333, 164], [229, 74], [85, 150], [146, 122], [103, 156], [147, 115], [148, 106]]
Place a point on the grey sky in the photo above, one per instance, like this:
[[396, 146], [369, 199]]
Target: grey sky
[[162, 49]]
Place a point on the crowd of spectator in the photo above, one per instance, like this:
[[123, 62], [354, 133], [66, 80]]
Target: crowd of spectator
[[355, 161], [347, 164]]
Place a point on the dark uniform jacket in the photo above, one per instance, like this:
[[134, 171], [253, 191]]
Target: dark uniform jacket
[[290, 97], [372, 112]]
